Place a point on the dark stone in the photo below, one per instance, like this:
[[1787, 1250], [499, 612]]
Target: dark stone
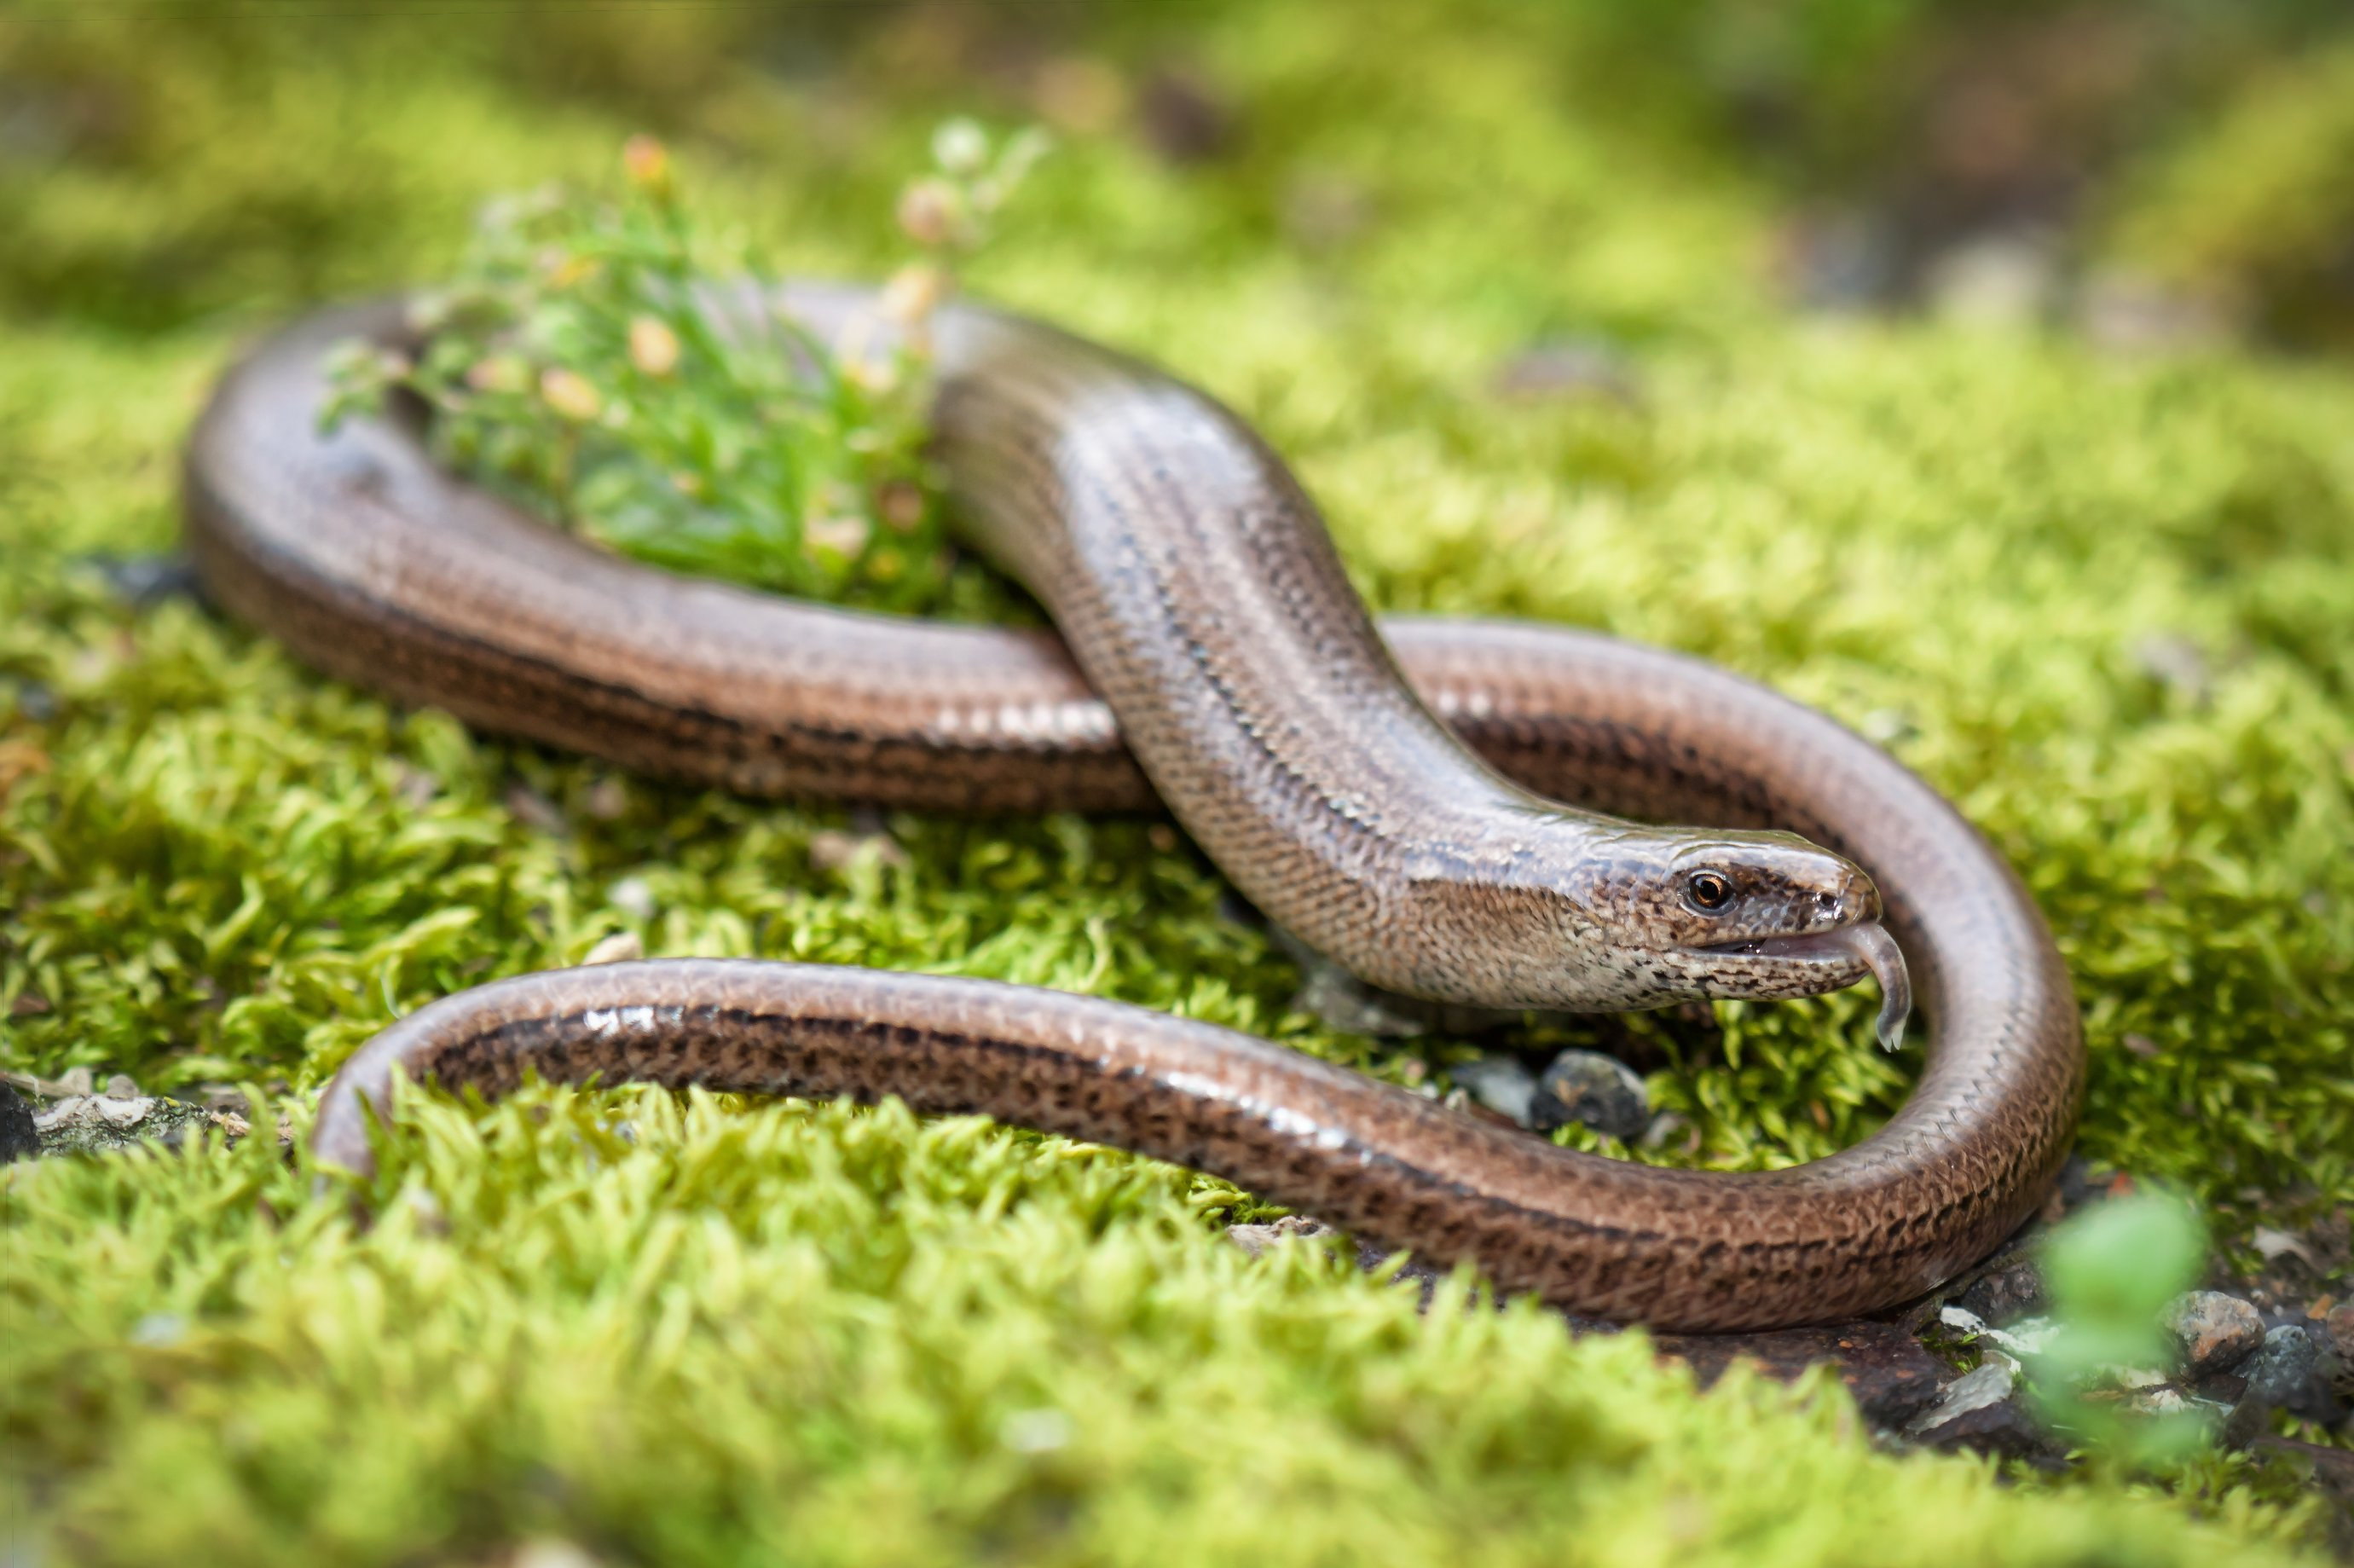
[[2009, 1290], [1590, 1089], [1891, 1378], [18, 1140], [2289, 1371], [142, 582]]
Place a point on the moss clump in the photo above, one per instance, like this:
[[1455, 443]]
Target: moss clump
[[2103, 605]]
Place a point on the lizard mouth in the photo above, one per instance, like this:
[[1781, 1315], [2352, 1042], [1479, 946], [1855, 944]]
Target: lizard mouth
[[1865, 943]]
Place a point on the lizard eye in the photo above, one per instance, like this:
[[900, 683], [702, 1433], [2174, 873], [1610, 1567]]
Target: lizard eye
[[1709, 891]]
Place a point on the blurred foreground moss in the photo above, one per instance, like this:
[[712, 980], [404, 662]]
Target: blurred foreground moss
[[2105, 604], [704, 1332]]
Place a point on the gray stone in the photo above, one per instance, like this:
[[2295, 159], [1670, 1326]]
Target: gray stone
[[2217, 1332], [2005, 1428], [1500, 1083], [1597, 1091], [1973, 1390], [2289, 1371], [19, 1140], [2007, 1291], [619, 948]]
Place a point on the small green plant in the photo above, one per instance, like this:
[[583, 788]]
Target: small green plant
[[2111, 1269], [582, 361]]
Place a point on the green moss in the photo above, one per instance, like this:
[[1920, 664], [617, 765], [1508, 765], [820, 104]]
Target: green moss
[[711, 1333], [2103, 605]]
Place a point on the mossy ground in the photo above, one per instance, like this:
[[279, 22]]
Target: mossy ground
[[2105, 604]]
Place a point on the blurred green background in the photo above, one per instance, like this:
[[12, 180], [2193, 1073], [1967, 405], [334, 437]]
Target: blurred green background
[[1974, 371]]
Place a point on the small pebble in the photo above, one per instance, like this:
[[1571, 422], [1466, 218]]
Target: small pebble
[[621, 948], [2217, 1332], [1500, 1083], [2005, 1293], [1035, 1431], [608, 800], [2275, 1245], [632, 897], [2285, 1374], [159, 1330], [1989, 1385], [1597, 1091], [831, 848], [2177, 663], [1257, 1239], [534, 809], [118, 1110], [2027, 1337], [1981, 1410], [2001, 280], [19, 1140], [1345, 1003], [549, 1552]]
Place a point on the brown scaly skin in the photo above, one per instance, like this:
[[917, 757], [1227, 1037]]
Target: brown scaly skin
[[1200, 594]]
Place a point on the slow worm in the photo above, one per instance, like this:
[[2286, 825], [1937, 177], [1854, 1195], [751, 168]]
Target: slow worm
[[1387, 794]]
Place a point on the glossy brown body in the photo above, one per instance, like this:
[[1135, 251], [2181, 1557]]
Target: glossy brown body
[[376, 566]]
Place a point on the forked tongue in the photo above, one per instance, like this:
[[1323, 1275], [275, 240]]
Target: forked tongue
[[1871, 946]]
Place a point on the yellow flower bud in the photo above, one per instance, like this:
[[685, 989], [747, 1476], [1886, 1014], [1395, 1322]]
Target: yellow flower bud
[[647, 163], [842, 536], [912, 293], [500, 373], [900, 504], [931, 212], [570, 394], [653, 347]]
